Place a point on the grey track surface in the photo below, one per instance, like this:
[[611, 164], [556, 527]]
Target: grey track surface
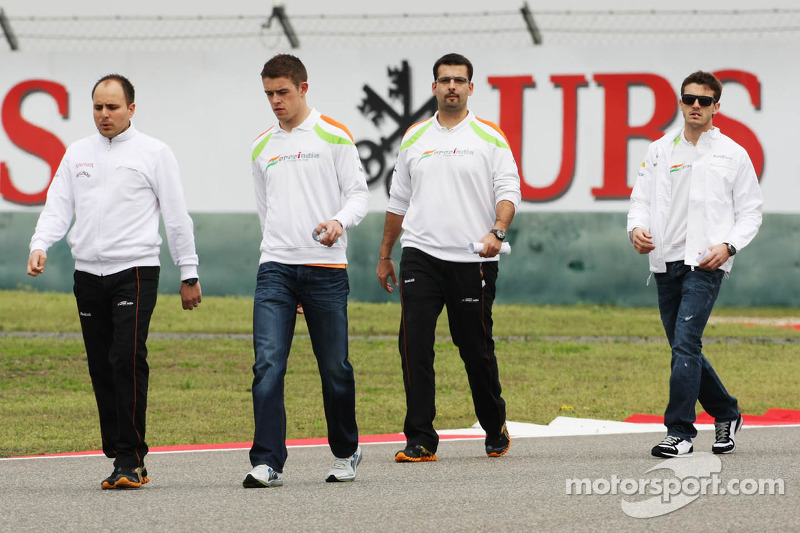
[[464, 491]]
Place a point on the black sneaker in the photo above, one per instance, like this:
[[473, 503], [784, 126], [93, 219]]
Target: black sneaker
[[124, 477], [499, 445], [672, 446], [724, 432], [414, 453]]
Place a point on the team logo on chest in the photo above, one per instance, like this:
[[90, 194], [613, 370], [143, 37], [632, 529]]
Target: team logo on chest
[[299, 157], [83, 170], [455, 152]]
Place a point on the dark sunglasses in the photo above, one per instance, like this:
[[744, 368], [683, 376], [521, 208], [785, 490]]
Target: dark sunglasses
[[705, 101]]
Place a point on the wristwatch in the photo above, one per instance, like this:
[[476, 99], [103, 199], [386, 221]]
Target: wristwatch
[[731, 249], [500, 234], [190, 282]]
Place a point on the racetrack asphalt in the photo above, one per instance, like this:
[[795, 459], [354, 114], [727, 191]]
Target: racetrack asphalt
[[525, 490]]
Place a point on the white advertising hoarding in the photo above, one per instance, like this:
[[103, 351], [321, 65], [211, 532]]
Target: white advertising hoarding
[[578, 119]]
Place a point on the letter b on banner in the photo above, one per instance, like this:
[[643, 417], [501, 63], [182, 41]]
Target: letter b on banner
[[618, 131]]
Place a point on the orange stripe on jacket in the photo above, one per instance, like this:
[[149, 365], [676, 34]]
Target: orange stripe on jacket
[[329, 120], [416, 124], [494, 127], [263, 132]]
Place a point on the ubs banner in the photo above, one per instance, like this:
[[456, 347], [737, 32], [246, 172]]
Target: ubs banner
[[578, 120]]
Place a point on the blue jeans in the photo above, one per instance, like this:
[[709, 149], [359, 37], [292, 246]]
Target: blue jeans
[[323, 293], [685, 300]]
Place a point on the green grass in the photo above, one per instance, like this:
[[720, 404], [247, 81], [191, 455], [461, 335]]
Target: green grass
[[200, 387], [56, 312]]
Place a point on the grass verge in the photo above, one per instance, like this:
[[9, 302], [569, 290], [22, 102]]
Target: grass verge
[[200, 387]]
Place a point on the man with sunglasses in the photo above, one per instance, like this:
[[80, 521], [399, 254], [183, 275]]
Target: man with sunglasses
[[455, 183], [696, 203]]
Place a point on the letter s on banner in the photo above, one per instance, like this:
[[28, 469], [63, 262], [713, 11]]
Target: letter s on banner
[[31, 138], [735, 129]]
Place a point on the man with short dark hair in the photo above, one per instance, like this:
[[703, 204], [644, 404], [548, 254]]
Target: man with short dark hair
[[695, 204], [302, 168], [115, 185], [455, 183]]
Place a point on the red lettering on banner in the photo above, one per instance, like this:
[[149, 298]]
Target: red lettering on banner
[[618, 131], [511, 112], [31, 138], [569, 135], [735, 129], [511, 89]]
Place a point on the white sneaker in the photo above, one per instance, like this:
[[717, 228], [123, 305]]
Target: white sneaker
[[262, 476], [724, 433], [672, 447], [344, 468]]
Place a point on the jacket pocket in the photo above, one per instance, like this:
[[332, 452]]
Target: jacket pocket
[[719, 183]]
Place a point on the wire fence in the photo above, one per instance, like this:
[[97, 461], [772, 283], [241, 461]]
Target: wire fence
[[506, 29]]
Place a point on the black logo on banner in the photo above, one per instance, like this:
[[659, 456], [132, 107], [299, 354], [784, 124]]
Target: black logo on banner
[[373, 154]]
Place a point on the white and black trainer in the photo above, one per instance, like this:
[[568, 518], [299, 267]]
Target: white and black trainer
[[344, 468], [262, 476], [724, 432], [672, 447]]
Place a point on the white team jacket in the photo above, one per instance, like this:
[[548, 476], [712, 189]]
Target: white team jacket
[[447, 184], [116, 189], [304, 177], [724, 198]]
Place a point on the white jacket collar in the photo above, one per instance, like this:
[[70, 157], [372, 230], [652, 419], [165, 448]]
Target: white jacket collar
[[307, 124], [470, 116], [122, 137]]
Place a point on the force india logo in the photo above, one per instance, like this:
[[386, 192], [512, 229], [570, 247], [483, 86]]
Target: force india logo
[[446, 153], [293, 158]]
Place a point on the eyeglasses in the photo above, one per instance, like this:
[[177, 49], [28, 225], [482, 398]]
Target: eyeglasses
[[447, 79], [705, 101]]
